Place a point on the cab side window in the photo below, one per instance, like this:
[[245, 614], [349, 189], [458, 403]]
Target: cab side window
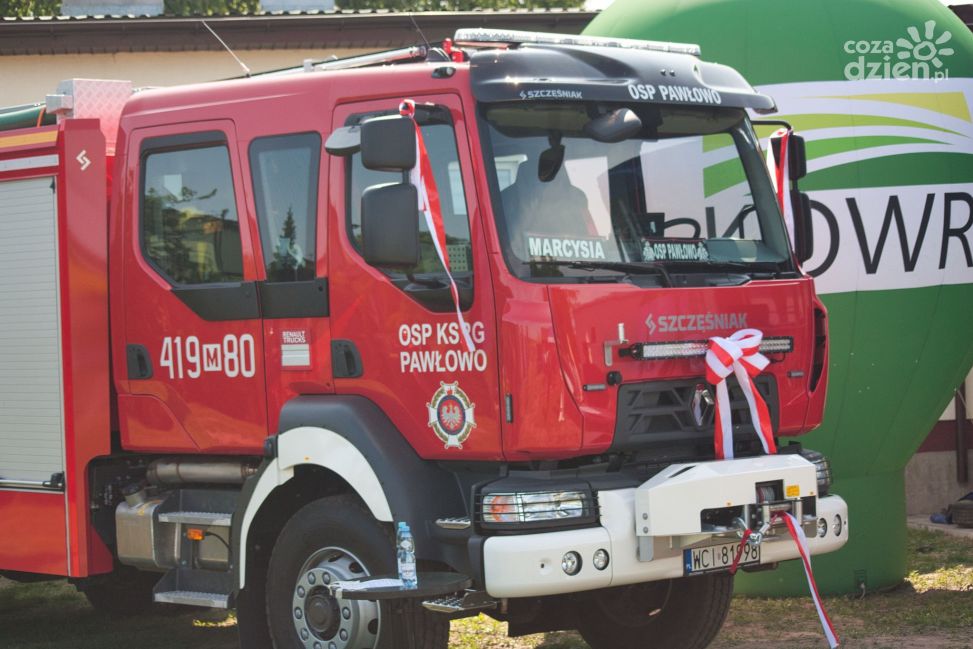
[[285, 188], [189, 225], [441, 146]]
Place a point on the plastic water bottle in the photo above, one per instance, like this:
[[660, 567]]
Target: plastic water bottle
[[405, 547]]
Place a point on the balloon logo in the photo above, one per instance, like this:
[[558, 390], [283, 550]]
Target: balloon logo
[[882, 91]]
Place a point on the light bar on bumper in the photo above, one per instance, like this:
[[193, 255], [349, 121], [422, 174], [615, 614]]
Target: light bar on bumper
[[692, 348], [524, 509]]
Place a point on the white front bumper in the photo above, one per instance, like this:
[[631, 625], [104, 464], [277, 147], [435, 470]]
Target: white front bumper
[[529, 565]]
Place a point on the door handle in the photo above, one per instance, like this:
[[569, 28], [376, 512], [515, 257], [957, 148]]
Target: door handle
[[139, 363], [345, 360]]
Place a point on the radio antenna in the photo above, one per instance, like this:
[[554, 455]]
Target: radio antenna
[[236, 58], [418, 29]]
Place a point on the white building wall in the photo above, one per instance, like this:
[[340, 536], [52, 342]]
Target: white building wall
[[28, 79], [930, 477]]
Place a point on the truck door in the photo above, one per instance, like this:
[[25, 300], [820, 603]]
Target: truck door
[[194, 344], [397, 337], [284, 170]]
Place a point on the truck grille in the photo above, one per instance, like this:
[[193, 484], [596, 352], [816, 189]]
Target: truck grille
[[658, 416]]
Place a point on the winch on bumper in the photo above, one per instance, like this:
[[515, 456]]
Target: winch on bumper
[[650, 532]]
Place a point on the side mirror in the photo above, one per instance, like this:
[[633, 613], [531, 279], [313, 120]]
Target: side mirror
[[797, 157], [390, 225], [388, 143], [797, 154], [803, 234]]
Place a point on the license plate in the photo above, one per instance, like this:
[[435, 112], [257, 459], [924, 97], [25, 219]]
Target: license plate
[[714, 558]]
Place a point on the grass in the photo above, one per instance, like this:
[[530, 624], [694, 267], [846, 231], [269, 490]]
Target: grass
[[932, 609], [53, 615]]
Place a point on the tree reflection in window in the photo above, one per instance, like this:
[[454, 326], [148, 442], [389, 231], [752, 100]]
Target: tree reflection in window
[[190, 228], [285, 188]]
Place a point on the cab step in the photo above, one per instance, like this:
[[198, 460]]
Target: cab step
[[471, 600], [454, 523], [202, 519], [193, 598], [195, 587]]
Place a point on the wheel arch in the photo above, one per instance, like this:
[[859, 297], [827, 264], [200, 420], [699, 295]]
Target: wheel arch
[[336, 443]]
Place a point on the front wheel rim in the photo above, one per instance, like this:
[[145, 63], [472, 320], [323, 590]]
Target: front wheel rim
[[323, 621]]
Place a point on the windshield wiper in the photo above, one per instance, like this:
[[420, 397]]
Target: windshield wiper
[[728, 264], [640, 268]]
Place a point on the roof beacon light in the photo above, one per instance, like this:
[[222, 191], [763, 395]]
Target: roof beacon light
[[510, 37]]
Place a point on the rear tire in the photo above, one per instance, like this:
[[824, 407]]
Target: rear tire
[[335, 538], [682, 613]]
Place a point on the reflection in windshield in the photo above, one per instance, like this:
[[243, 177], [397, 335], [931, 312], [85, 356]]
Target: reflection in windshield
[[690, 188]]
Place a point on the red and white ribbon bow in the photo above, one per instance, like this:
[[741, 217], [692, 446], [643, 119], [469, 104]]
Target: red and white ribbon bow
[[429, 206], [738, 354], [797, 533], [779, 168]]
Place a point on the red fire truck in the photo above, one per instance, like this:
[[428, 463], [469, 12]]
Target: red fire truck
[[249, 325]]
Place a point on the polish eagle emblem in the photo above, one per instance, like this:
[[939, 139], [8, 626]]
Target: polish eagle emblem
[[451, 414]]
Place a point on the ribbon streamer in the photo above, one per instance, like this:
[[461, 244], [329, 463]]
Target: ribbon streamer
[[739, 552], [738, 354], [425, 183], [780, 175], [797, 533]]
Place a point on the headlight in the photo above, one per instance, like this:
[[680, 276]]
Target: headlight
[[530, 507]]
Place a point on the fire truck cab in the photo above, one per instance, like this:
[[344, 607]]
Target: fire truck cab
[[251, 324]]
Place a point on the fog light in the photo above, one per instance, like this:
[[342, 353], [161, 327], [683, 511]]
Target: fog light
[[571, 563], [838, 523], [822, 528], [600, 560]]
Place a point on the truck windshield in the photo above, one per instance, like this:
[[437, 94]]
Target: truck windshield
[[689, 192]]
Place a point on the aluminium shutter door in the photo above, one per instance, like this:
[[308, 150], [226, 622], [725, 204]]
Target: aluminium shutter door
[[31, 401]]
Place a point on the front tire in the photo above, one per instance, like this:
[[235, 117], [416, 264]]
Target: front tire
[[682, 613], [332, 539]]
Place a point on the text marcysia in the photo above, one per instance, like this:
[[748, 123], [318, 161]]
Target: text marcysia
[[565, 248]]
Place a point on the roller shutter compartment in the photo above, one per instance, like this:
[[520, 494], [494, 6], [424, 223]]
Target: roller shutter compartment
[[31, 399]]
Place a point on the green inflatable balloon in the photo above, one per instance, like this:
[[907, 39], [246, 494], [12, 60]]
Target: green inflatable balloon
[[882, 90]]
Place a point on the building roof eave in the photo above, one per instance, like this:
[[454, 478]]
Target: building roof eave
[[325, 30]]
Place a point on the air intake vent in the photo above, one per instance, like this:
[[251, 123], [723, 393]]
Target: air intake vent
[[674, 419]]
